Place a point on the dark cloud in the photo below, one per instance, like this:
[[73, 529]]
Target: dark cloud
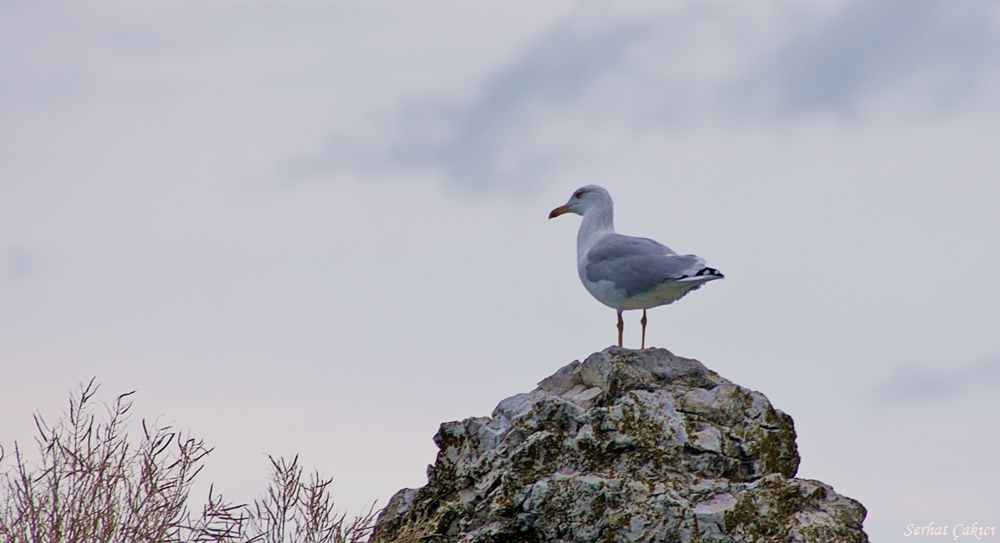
[[940, 50], [472, 143], [659, 67], [553, 74]]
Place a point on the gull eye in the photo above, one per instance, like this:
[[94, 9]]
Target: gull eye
[[578, 195]]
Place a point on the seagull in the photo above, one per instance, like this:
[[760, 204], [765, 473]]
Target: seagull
[[625, 272]]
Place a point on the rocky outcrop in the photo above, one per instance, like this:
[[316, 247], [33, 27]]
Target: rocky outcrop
[[629, 446]]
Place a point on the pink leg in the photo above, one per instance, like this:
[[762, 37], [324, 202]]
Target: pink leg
[[643, 321], [621, 328]]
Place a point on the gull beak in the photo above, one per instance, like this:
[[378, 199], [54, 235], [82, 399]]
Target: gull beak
[[559, 211]]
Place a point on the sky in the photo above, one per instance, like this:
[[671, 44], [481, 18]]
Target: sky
[[321, 228]]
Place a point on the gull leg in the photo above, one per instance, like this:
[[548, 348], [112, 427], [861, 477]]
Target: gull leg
[[643, 321], [621, 328]]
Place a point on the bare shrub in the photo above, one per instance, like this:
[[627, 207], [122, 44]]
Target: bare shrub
[[296, 509], [92, 484]]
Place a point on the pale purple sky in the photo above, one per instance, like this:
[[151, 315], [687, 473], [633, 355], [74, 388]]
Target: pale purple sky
[[320, 228]]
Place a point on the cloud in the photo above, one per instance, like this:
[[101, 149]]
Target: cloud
[[17, 263], [554, 74], [940, 50], [922, 384], [482, 143], [581, 84]]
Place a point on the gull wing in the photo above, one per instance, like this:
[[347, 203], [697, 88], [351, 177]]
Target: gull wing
[[638, 265]]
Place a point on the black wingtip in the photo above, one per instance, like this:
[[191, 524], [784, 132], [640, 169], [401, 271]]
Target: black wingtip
[[710, 271]]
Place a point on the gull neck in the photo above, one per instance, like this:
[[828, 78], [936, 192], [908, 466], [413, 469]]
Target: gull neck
[[597, 222]]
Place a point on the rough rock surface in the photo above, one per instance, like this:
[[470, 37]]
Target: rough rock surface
[[629, 446]]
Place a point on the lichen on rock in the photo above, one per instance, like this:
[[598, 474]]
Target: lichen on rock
[[633, 446]]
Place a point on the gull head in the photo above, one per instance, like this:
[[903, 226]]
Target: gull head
[[584, 199]]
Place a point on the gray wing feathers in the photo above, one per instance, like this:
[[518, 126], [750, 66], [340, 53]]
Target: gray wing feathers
[[617, 246], [638, 265]]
